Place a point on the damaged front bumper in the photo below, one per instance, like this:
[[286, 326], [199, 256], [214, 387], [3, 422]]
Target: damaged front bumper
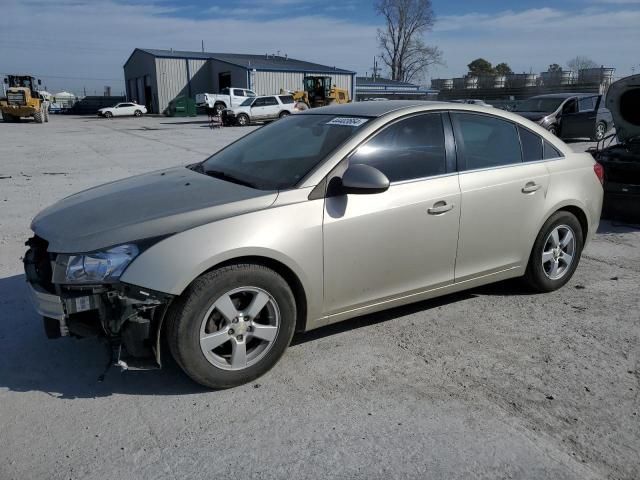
[[130, 317]]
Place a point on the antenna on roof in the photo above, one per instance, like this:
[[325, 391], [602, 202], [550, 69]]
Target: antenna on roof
[[286, 57], [202, 46]]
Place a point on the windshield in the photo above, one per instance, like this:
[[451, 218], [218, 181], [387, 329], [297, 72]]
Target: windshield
[[247, 102], [539, 105], [277, 156]]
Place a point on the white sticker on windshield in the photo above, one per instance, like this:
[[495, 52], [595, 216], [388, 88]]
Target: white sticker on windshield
[[348, 121]]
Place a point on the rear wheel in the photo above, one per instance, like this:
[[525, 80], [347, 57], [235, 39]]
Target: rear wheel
[[242, 119], [284, 114], [600, 132], [232, 325], [556, 253], [553, 129], [219, 107]]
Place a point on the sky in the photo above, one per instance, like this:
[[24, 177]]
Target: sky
[[81, 45]]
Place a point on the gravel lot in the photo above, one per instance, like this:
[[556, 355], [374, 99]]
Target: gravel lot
[[491, 383]]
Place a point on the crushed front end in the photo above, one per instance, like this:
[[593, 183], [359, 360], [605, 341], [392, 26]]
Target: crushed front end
[[129, 317]]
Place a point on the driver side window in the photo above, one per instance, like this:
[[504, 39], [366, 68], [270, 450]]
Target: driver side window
[[408, 149]]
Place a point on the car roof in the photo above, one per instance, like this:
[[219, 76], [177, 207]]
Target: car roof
[[369, 109]]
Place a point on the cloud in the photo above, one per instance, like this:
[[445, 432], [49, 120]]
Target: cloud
[[90, 40]]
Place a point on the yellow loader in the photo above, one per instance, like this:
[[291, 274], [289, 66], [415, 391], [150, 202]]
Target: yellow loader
[[319, 92], [23, 100]]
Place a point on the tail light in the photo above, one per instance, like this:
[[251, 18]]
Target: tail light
[[598, 169]]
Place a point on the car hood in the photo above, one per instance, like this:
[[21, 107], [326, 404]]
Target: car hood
[[534, 116], [623, 100], [145, 206]]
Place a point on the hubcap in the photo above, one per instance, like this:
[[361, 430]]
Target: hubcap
[[600, 131], [558, 252], [239, 328]]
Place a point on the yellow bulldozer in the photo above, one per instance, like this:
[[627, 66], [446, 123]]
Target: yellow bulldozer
[[319, 92], [23, 100]]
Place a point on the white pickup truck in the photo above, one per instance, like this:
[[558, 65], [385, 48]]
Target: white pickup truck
[[227, 98]]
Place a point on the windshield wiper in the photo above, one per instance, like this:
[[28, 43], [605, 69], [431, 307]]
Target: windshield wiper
[[230, 178]]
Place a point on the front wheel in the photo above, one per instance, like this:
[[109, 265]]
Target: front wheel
[[39, 116], [553, 129], [556, 253], [137, 113], [108, 115], [232, 325]]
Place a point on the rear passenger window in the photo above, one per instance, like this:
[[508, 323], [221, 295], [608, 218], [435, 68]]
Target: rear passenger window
[[485, 141], [551, 152], [408, 149], [286, 99], [531, 145], [270, 101]]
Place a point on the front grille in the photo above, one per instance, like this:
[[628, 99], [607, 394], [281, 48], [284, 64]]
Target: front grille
[[37, 264], [16, 98]]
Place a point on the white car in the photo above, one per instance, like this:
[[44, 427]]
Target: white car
[[123, 109], [258, 109]]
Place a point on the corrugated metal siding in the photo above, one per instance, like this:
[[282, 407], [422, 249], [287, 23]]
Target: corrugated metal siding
[[238, 75], [172, 80], [269, 83], [141, 65], [200, 77]]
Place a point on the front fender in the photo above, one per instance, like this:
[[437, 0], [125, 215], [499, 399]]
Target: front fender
[[288, 234]]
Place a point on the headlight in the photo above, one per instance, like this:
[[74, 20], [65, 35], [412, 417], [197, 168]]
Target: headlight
[[99, 267]]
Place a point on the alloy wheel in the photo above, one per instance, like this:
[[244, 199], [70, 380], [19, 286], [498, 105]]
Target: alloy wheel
[[239, 328], [558, 252]]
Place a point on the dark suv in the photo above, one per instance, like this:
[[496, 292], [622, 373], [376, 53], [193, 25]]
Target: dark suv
[[569, 115]]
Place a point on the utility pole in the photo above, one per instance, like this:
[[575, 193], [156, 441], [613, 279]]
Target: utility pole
[[375, 68]]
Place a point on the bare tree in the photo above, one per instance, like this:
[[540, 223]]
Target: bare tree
[[403, 49], [580, 63]]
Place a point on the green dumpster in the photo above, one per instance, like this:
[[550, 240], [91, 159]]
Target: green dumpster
[[181, 106]]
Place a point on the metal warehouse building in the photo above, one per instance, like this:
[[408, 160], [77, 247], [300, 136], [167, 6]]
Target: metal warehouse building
[[155, 77]]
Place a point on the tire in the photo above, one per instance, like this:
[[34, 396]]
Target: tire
[[108, 115], [46, 115], [540, 274], [195, 314], [553, 129], [8, 118], [137, 113], [600, 131], [242, 120], [38, 116], [219, 107], [284, 114]]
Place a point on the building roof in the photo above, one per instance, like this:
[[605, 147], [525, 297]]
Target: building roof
[[248, 61], [383, 82]]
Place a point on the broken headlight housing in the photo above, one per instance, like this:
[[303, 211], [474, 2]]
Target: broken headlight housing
[[98, 267]]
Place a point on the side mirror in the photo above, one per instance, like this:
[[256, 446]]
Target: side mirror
[[39, 82], [364, 179]]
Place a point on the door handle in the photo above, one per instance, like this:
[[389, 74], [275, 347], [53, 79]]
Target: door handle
[[530, 187], [440, 207]]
